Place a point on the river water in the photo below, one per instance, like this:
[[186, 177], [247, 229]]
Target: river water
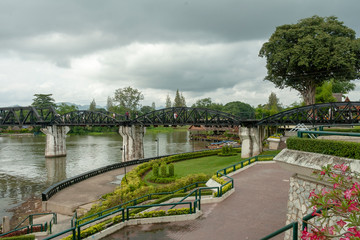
[[24, 171]]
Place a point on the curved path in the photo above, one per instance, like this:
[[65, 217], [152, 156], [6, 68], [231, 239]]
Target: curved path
[[257, 208], [85, 193]]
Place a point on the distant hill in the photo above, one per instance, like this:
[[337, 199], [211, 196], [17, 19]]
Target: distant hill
[[80, 107]]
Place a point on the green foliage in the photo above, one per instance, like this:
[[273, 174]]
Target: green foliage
[[92, 106], [146, 109], [128, 98], [23, 237], [306, 54], [63, 108], [238, 108], [179, 100], [225, 187], [163, 170], [228, 150], [43, 101], [168, 102], [171, 170], [161, 179], [329, 147], [155, 170], [89, 231], [324, 93]]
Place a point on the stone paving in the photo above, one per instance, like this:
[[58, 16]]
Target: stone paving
[[257, 208]]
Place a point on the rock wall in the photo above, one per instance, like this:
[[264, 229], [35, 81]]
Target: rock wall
[[303, 181]]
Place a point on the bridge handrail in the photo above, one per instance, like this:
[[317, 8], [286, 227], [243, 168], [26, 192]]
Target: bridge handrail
[[301, 132]]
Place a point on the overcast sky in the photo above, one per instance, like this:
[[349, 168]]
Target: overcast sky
[[80, 50]]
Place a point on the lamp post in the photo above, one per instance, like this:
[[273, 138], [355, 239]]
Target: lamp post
[[157, 146], [123, 149]]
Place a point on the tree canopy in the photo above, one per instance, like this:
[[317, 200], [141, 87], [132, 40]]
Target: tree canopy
[[92, 106], [179, 100], [238, 108], [306, 54], [63, 108], [43, 101], [128, 98]]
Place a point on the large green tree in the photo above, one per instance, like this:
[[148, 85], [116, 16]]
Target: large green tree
[[168, 102], [128, 98], [179, 100], [63, 108], [239, 109], [92, 106], [306, 54], [43, 101]]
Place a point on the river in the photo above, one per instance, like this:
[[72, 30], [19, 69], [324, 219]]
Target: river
[[24, 171]]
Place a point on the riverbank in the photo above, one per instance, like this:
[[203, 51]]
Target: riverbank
[[30, 206]]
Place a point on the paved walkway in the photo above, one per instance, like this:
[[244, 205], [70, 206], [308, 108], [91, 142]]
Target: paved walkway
[[84, 193], [257, 208]]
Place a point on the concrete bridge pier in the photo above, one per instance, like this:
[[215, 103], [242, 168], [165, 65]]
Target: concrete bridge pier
[[55, 140], [133, 142], [251, 140]]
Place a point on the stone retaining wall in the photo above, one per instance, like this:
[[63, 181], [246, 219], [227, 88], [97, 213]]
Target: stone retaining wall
[[303, 181]]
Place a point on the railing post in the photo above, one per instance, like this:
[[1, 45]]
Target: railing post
[[30, 219], [295, 231], [78, 233], [74, 233], [127, 214], [123, 215]]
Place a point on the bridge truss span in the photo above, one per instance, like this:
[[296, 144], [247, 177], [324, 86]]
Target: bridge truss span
[[84, 118], [186, 116], [12, 116], [335, 113]]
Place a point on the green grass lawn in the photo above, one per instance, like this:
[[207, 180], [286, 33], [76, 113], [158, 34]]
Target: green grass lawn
[[208, 165]]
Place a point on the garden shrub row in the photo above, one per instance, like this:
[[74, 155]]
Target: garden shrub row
[[323, 146], [23, 237], [89, 231], [225, 188]]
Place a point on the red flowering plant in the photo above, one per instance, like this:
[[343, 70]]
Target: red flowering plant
[[340, 215]]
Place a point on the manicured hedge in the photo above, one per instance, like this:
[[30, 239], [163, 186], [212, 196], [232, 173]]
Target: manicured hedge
[[23, 237], [329, 147]]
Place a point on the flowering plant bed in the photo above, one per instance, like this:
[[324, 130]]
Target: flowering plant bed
[[340, 215]]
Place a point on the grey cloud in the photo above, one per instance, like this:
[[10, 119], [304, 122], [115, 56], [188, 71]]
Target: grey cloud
[[203, 21], [196, 68]]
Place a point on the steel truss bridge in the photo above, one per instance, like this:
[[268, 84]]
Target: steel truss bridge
[[341, 113]]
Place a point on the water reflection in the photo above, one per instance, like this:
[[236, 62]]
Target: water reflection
[[56, 169]]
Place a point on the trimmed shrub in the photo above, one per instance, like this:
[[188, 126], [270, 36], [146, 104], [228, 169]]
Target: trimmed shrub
[[23, 237], [323, 146], [171, 170], [155, 170], [163, 170]]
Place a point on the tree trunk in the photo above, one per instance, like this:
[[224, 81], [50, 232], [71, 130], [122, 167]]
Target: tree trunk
[[309, 95]]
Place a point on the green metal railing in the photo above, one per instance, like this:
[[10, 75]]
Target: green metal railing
[[125, 209], [31, 225], [300, 133], [241, 164], [294, 226], [134, 202]]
